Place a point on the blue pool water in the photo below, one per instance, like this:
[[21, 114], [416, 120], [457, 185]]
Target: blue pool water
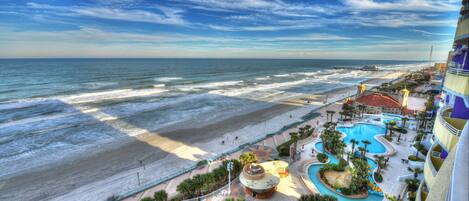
[[358, 131], [392, 117], [365, 132]]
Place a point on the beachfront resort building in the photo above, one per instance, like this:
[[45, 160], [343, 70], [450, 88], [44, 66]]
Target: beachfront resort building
[[376, 102], [446, 171]]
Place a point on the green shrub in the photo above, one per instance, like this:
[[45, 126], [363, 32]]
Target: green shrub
[[160, 195], [147, 199], [202, 163], [415, 158], [343, 163], [205, 183], [284, 151], [322, 157]]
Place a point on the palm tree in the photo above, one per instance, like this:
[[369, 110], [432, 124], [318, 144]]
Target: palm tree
[[362, 151], [354, 142], [341, 113], [404, 121], [412, 184], [328, 112], [294, 137], [417, 171], [379, 160], [332, 115], [247, 158], [366, 143], [160, 196], [184, 188], [391, 127], [387, 128]]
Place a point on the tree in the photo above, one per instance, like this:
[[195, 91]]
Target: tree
[[160, 196], [317, 197], [412, 184], [362, 151], [366, 143], [392, 124], [404, 121], [387, 128], [354, 142], [247, 158], [330, 113], [417, 171], [379, 161], [294, 137]]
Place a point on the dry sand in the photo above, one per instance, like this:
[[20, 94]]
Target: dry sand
[[113, 168]]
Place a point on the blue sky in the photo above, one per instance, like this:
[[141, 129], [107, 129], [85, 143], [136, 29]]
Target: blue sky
[[328, 29]]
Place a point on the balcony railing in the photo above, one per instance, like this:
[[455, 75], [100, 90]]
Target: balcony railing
[[445, 113], [458, 71], [436, 161]]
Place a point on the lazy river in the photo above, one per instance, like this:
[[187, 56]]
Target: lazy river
[[358, 132]]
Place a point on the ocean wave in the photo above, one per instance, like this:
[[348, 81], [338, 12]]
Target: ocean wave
[[168, 79], [308, 73], [210, 85], [159, 85], [283, 75], [263, 78], [98, 85], [258, 87]]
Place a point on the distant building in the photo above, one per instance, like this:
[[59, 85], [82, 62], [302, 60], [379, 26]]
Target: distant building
[[376, 102], [440, 67]]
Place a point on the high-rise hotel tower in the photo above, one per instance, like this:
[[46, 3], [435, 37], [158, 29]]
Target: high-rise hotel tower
[[446, 169]]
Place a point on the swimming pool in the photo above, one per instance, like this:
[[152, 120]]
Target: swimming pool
[[361, 132], [314, 169]]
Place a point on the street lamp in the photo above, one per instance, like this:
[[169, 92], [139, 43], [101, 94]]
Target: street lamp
[[229, 167]]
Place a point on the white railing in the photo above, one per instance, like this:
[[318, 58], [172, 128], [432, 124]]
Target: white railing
[[458, 71], [447, 125]]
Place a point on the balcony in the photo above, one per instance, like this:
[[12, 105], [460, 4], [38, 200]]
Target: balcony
[[435, 159], [448, 129], [462, 32], [422, 193], [457, 81], [429, 171]]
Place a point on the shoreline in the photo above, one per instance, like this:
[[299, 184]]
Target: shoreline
[[150, 143]]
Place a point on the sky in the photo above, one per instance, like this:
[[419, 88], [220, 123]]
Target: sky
[[325, 29]]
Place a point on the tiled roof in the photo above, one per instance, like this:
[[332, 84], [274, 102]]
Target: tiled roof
[[378, 100]]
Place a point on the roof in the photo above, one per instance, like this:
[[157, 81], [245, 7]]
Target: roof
[[378, 100], [267, 180]]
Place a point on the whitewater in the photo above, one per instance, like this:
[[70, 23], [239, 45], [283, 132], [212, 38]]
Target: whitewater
[[53, 112]]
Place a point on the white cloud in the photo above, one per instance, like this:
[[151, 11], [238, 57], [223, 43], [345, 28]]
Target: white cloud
[[168, 15], [405, 5], [427, 33]]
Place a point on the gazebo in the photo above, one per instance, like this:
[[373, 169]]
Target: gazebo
[[261, 180]]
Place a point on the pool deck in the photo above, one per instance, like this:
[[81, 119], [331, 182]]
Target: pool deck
[[391, 173], [396, 168]]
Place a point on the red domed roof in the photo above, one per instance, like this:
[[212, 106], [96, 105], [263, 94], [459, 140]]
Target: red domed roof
[[379, 100]]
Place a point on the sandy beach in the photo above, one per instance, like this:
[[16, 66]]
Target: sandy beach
[[113, 168]]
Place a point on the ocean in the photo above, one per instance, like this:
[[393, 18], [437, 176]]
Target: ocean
[[52, 105]]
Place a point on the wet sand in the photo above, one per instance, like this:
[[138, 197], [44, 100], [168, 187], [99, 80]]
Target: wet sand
[[85, 175]]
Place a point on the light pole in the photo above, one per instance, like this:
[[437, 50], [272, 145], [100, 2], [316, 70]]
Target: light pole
[[229, 167]]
